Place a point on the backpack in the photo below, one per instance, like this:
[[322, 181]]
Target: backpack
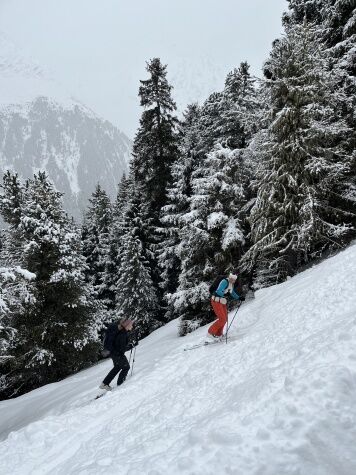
[[108, 338], [214, 286]]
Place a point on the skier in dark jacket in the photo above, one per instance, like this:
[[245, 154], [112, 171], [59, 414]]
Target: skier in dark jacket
[[117, 343]]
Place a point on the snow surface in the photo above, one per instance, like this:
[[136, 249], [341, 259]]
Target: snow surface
[[279, 399]]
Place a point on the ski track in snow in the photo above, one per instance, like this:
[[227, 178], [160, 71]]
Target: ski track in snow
[[278, 400]]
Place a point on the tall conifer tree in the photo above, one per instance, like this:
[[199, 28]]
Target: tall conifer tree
[[303, 161], [155, 146], [212, 227], [155, 150], [57, 330], [136, 296], [95, 238], [178, 196], [116, 234]]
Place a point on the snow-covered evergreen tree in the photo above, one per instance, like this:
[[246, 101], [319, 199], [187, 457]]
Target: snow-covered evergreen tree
[[304, 161], [212, 236], [56, 332], [304, 10], [340, 38], [337, 27], [16, 291], [212, 228], [11, 198], [136, 296], [178, 195], [210, 131], [16, 297], [155, 149], [96, 242], [155, 145], [113, 261], [229, 117], [238, 121], [11, 202]]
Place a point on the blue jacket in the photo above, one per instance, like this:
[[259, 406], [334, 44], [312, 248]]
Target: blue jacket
[[222, 287]]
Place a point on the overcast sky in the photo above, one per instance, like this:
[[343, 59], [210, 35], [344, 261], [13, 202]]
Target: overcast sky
[[98, 48]]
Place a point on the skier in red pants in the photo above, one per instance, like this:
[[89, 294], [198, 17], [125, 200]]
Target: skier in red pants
[[221, 289]]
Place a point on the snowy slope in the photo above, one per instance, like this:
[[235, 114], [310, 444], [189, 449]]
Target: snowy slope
[[279, 399]]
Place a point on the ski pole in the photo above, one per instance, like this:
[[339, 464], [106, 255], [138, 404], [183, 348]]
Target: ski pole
[[227, 324], [228, 328], [134, 351], [133, 360]]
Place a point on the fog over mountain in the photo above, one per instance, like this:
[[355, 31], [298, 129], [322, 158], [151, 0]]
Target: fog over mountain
[[42, 127], [99, 49]]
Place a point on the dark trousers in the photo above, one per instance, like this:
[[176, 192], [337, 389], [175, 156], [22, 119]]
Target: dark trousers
[[120, 364]]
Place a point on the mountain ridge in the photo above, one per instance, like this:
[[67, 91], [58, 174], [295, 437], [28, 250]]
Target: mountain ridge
[[42, 127]]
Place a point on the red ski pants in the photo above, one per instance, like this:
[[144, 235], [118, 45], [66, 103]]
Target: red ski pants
[[220, 311]]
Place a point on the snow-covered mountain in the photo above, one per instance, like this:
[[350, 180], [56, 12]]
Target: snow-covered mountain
[[279, 398], [43, 128]]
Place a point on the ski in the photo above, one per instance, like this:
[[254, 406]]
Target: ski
[[207, 343], [103, 394], [113, 390], [199, 345], [99, 396]]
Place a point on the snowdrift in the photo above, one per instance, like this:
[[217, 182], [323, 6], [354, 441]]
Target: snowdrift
[[279, 398]]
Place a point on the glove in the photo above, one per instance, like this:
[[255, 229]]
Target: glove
[[105, 353], [132, 344], [242, 299]]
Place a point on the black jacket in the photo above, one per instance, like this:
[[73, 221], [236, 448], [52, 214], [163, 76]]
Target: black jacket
[[117, 341]]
